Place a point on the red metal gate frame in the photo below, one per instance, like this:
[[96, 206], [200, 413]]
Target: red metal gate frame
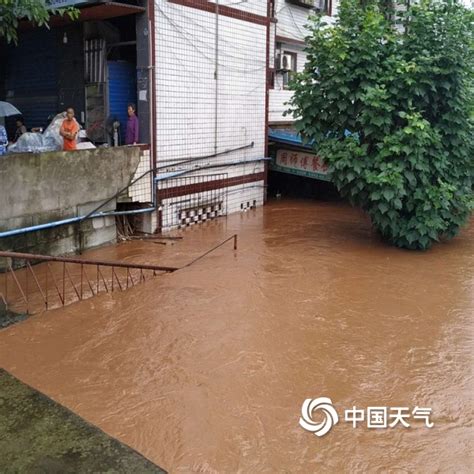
[[115, 283]]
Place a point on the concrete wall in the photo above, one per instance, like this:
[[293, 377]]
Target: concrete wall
[[45, 187]]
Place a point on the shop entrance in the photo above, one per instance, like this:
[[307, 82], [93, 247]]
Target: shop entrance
[[111, 77], [296, 170]]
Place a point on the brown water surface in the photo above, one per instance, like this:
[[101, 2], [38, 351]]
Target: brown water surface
[[205, 370]]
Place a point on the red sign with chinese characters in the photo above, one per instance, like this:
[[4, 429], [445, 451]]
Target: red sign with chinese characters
[[301, 163]]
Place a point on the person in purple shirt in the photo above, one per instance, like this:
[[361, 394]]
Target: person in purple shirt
[[131, 137]]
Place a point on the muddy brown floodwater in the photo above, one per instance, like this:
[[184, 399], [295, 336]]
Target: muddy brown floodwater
[[206, 369]]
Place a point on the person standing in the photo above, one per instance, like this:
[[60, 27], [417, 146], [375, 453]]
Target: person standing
[[131, 137], [20, 129], [69, 130], [3, 140]]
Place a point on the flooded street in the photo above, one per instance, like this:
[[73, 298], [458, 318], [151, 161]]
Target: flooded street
[[206, 369]]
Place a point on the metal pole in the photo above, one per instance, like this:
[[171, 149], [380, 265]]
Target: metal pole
[[47, 291], [17, 283], [6, 285], [64, 282], [26, 292], [216, 77], [82, 277]]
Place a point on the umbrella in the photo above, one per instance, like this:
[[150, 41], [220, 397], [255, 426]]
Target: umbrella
[[7, 109]]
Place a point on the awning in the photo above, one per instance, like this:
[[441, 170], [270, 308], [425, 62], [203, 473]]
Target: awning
[[101, 11], [288, 138]]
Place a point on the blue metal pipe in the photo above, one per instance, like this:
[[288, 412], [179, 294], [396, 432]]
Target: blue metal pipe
[[34, 228], [176, 174], [71, 220]]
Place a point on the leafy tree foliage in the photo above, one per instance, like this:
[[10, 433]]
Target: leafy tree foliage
[[389, 104], [36, 11]]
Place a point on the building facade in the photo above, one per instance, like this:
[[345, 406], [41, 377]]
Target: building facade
[[197, 71], [288, 56], [211, 62], [294, 164], [208, 79]]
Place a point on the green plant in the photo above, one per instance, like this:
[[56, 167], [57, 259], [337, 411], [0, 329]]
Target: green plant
[[389, 103], [36, 11]]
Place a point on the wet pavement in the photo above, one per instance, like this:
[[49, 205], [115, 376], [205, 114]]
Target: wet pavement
[[206, 369]]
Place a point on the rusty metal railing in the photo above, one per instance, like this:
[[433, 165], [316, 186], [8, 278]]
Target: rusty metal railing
[[32, 286], [233, 238], [59, 281]]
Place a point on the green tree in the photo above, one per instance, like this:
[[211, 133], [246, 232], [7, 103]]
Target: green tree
[[36, 11], [388, 102]]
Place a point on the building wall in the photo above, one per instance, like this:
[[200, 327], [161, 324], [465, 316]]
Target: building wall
[[258, 7], [291, 19], [210, 93], [48, 187], [289, 35], [279, 95], [144, 73], [179, 211]]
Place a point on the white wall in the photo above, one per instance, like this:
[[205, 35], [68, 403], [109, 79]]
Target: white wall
[[291, 21], [186, 86], [279, 96], [240, 198], [258, 7]]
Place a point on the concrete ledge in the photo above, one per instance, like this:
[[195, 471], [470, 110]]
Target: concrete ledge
[[46, 187], [38, 435]]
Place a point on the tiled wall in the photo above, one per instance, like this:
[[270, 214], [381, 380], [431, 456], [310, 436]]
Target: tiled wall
[[141, 191], [196, 208], [189, 124]]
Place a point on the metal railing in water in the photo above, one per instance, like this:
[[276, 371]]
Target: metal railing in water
[[60, 281]]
